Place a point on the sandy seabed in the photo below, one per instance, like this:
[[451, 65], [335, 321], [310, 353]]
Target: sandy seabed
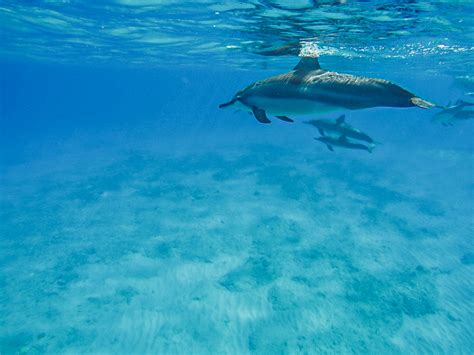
[[266, 250]]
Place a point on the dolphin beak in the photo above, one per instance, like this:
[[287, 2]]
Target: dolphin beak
[[224, 105]]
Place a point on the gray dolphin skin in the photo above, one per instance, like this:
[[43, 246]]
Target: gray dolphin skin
[[340, 127], [343, 142], [460, 111], [308, 89]]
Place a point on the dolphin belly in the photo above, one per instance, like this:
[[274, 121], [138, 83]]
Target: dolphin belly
[[289, 106]]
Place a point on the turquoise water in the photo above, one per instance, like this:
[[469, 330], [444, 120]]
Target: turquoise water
[[137, 217]]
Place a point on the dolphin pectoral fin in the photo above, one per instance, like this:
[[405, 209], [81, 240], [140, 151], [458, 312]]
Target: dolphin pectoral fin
[[260, 115], [321, 132], [330, 147], [284, 118], [341, 119]]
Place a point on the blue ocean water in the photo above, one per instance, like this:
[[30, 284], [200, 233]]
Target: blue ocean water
[[136, 217]]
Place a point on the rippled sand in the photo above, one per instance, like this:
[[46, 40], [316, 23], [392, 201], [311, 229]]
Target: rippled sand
[[265, 250]]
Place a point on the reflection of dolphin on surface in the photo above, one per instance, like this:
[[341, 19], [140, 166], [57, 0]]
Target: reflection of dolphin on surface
[[343, 142], [461, 110], [340, 127], [308, 89], [292, 48]]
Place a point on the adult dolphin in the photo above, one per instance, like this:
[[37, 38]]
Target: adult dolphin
[[308, 89]]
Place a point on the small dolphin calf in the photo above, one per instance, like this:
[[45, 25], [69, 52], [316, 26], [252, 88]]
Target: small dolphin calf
[[340, 127], [342, 141], [461, 110], [308, 89]]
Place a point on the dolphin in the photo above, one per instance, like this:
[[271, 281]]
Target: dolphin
[[308, 89], [461, 110], [340, 127], [342, 141]]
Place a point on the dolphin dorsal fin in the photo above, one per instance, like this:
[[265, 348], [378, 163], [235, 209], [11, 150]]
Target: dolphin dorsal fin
[[341, 119], [307, 64]]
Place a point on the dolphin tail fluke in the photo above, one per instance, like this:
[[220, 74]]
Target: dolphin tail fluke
[[226, 104], [422, 103]]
